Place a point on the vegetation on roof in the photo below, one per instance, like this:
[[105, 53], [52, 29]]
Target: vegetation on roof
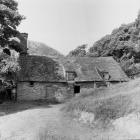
[[39, 68]]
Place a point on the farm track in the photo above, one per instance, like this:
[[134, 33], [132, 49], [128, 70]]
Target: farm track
[[47, 123]]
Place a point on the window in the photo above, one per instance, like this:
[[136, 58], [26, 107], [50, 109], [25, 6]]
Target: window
[[70, 76], [31, 83], [106, 76], [76, 89], [101, 84]]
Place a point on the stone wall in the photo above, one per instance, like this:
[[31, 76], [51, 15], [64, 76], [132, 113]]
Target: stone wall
[[84, 86], [49, 91], [26, 91], [57, 91]]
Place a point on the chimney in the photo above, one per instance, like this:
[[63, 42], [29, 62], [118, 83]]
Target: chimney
[[24, 39], [25, 35], [24, 49]]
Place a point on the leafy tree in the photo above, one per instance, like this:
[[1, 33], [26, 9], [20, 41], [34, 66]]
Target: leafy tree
[[9, 21], [79, 51], [123, 44]]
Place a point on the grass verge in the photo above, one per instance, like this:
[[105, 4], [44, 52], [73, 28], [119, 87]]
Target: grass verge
[[107, 104]]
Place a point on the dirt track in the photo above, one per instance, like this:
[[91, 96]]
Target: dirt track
[[49, 123], [31, 123]]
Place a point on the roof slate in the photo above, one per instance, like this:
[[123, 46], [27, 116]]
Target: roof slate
[[85, 67], [41, 68], [38, 68]]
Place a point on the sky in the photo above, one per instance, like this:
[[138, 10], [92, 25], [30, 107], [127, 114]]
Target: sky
[[66, 24]]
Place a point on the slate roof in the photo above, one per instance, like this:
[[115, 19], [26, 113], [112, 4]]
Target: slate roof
[[39, 68], [86, 68]]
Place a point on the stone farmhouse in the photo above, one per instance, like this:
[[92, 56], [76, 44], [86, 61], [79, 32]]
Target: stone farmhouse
[[42, 77], [89, 72]]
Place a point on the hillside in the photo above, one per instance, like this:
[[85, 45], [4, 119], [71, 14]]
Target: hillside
[[116, 107], [123, 44], [37, 48]]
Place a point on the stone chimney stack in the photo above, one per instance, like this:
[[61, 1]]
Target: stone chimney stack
[[25, 35], [24, 39], [23, 54]]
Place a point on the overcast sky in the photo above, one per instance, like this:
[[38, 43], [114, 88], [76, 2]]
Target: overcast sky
[[65, 24]]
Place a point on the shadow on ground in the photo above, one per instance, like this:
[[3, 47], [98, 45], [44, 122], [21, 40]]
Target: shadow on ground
[[14, 107]]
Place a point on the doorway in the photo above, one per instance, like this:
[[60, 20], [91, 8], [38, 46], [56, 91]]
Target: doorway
[[76, 89]]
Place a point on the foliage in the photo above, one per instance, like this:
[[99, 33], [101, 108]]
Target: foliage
[[79, 51], [9, 67], [9, 20], [123, 44]]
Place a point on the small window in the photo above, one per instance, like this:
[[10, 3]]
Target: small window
[[31, 83], [70, 76], [106, 76], [76, 89]]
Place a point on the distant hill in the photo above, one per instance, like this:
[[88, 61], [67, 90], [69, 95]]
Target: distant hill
[[41, 49]]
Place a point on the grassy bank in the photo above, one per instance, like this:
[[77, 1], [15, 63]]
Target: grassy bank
[[107, 104]]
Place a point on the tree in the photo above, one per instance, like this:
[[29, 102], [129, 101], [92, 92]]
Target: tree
[[9, 20], [79, 51], [123, 44]]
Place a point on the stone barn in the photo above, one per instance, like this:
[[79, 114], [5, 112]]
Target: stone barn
[[93, 72], [40, 78]]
